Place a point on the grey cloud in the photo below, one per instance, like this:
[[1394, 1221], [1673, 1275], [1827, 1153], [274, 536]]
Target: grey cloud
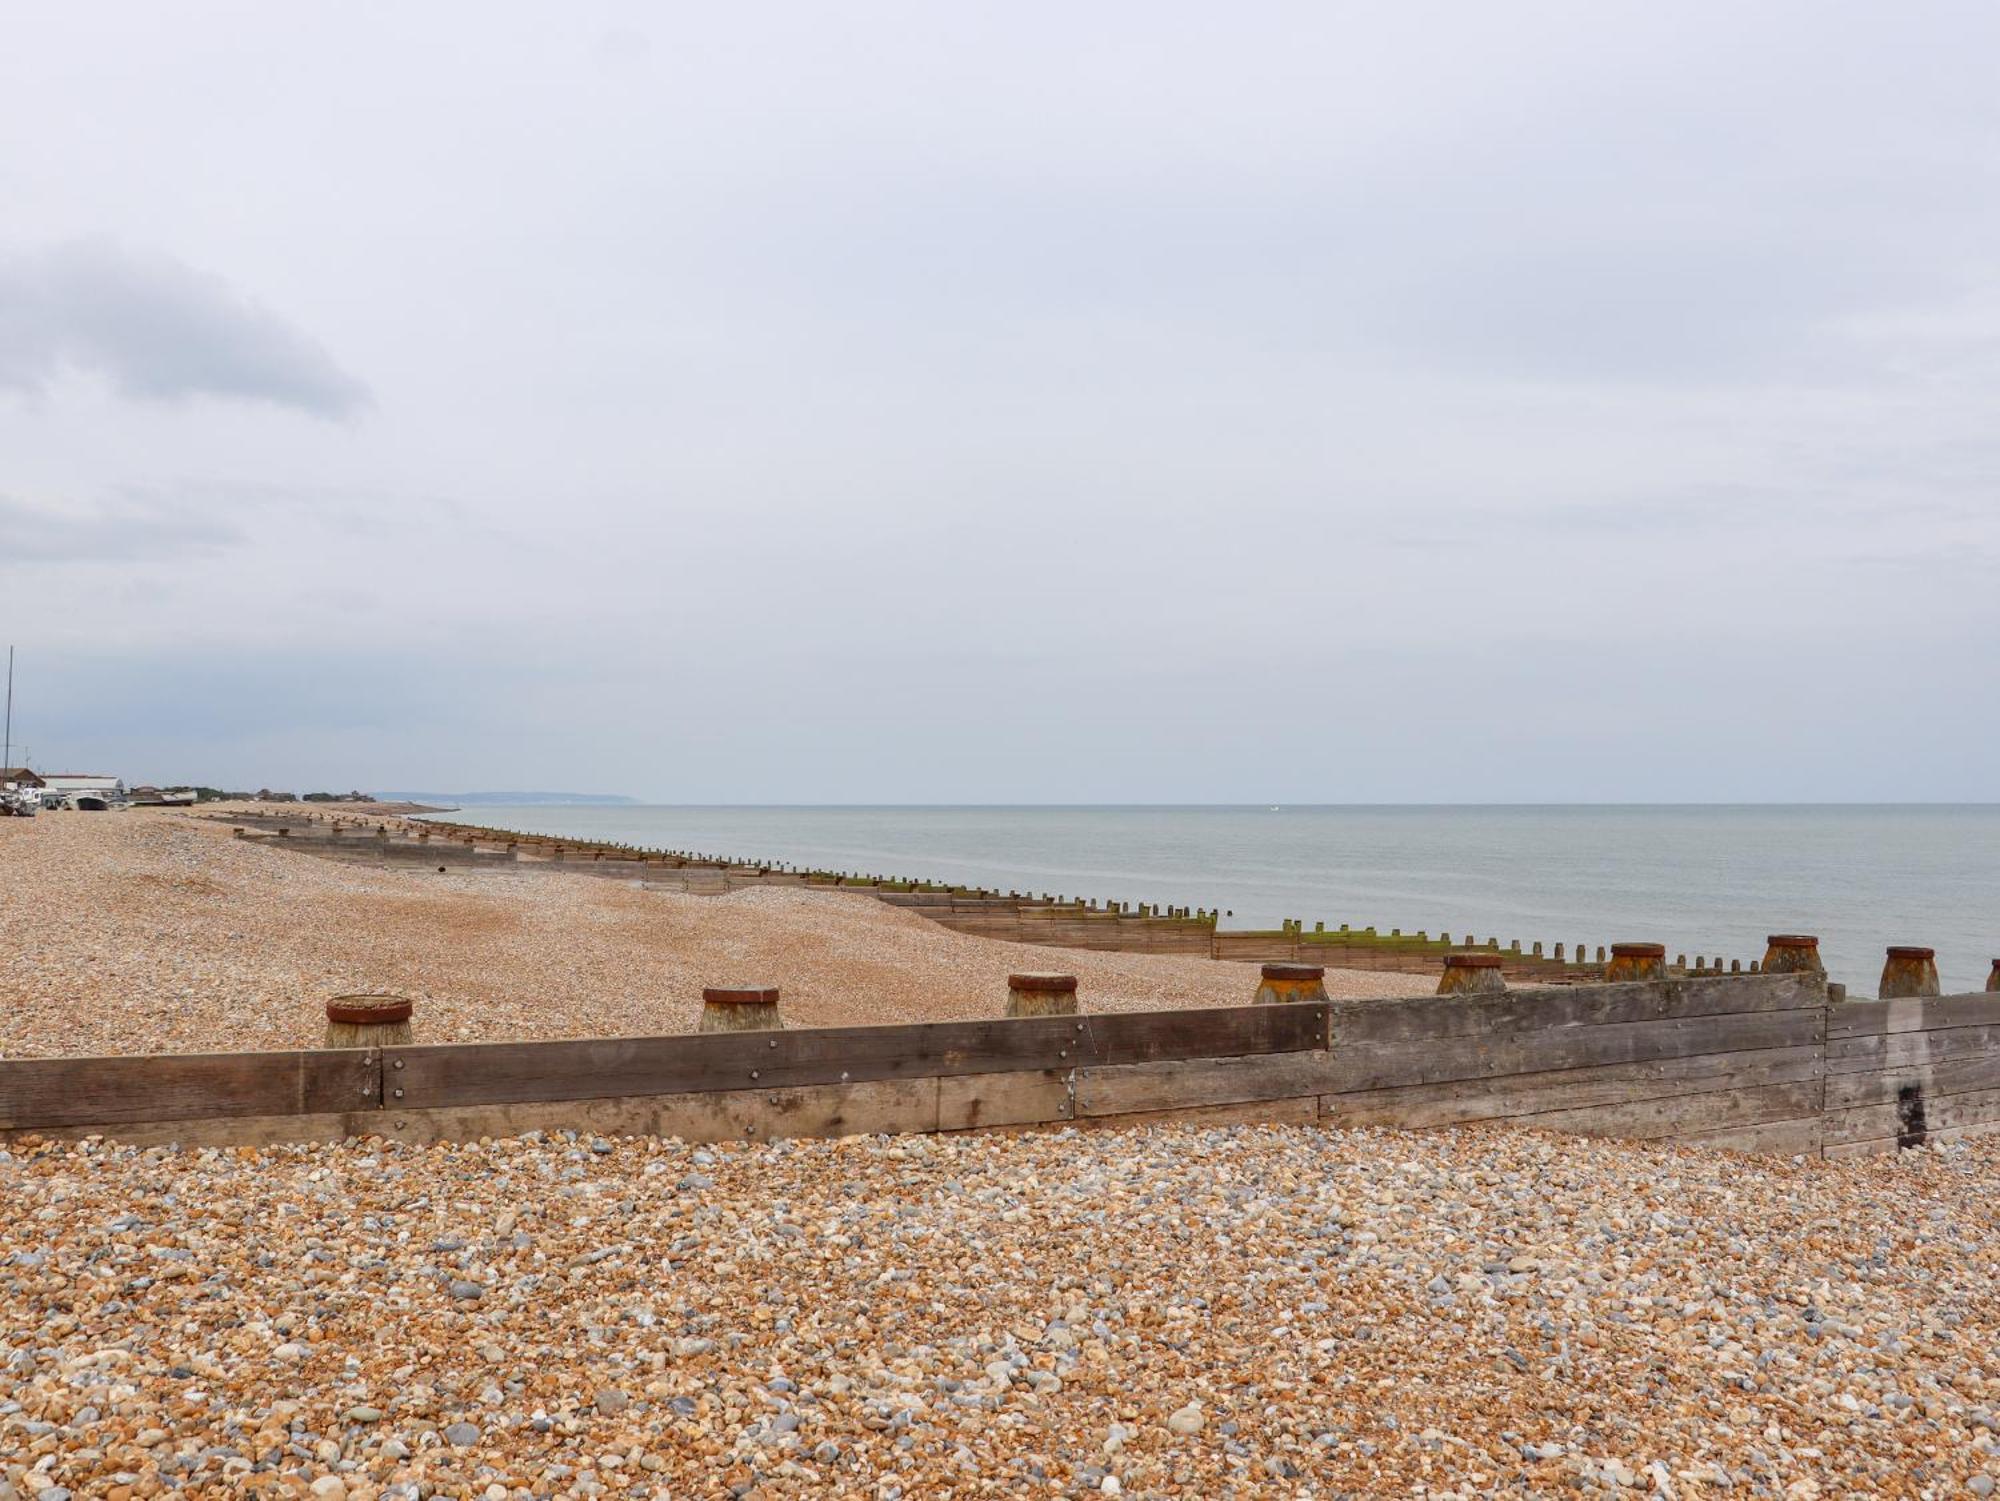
[[158, 330], [1409, 367], [128, 532]]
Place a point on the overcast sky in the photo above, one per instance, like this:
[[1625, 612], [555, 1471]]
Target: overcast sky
[[1024, 402]]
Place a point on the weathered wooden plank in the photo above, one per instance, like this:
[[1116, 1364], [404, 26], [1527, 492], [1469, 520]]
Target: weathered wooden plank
[[1883, 1050], [1430, 1019], [1917, 1014], [1297, 1111], [1875, 1145], [1140, 1087], [497, 1073], [1393, 1064], [1785, 1138], [1461, 1101], [968, 1101], [340, 1079], [184, 1086], [1680, 1115], [879, 1105], [1919, 1117], [1883, 1087]]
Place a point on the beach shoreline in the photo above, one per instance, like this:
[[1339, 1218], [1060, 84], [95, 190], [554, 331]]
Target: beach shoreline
[[155, 931]]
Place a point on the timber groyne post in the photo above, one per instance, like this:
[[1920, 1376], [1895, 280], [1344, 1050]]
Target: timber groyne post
[[1908, 971], [1279, 984], [368, 1021], [1473, 972], [740, 1008], [1041, 994], [1791, 954], [1636, 961]]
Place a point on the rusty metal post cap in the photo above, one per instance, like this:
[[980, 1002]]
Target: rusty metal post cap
[[1472, 959], [740, 995], [1042, 982], [1295, 971], [1792, 941], [1910, 951], [1639, 950], [368, 1010]]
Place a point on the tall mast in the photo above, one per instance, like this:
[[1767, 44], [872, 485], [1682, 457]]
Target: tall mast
[[7, 748]]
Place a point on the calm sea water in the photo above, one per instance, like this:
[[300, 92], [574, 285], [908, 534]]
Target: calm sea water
[[1702, 880]]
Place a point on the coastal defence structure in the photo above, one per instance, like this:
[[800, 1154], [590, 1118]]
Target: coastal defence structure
[[1776, 1062], [1771, 1058], [1105, 925]]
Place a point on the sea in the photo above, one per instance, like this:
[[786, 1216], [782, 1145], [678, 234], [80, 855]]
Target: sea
[[1700, 879]]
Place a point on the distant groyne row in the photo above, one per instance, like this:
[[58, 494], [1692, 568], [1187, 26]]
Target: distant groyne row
[[1781, 1060], [1057, 920]]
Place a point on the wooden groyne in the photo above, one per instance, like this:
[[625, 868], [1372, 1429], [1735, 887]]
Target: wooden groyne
[[1057, 921], [1772, 1062]]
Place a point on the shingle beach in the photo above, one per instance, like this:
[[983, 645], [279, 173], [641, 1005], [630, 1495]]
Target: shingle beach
[[1184, 1311], [1158, 1312], [156, 932]]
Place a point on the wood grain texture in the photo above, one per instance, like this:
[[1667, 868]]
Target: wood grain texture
[[1681, 1115], [1859, 1055], [1966, 1075], [186, 1086], [498, 1073], [1429, 1019], [881, 1105], [1392, 1064], [1146, 1087], [1462, 1101], [1788, 1138], [1941, 1114], [1875, 1145], [970, 1101], [1919, 1014]]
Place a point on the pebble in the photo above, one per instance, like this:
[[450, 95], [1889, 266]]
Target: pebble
[[951, 1315], [1248, 1310], [198, 942]]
